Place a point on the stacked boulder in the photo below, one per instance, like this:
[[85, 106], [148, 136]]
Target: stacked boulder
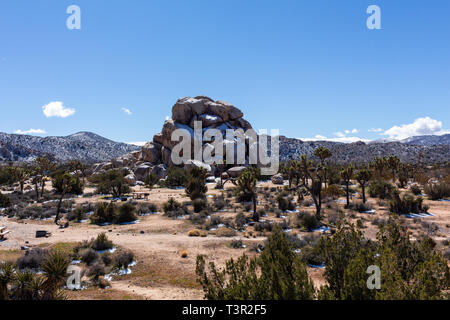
[[155, 156]]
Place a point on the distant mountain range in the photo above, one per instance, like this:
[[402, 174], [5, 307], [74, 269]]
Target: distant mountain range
[[90, 147], [429, 140], [84, 146]]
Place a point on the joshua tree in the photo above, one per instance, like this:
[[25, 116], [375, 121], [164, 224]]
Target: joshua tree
[[247, 186], [363, 176], [346, 175], [379, 165], [315, 174], [21, 175], [43, 168], [196, 183], [66, 184], [393, 163], [323, 153]]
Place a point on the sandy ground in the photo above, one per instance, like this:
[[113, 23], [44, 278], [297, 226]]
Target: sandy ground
[[160, 272]]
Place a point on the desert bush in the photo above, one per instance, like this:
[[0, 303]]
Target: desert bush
[[236, 244], [225, 232], [106, 258], [407, 204], [263, 226], [102, 243], [333, 191], [77, 214], [381, 189], [184, 254], [284, 202], [415, 189], [219, 202], [197, 218], [32, 259], [199, 205], [307, 221], [171, 206], [144, 208], [437, 191], [311, 255], [446, 254], [89, 256], [96, 271], [196, 183], [360, 206], [4, 201], [240, 220], [194, 233], [126, 213], [103, 213], [277, 273], [123, 259], [175, 177]]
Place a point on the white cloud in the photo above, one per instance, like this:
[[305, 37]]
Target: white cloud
[[30, 131], [420, 127], [137, 143], [375, 130], [57, 109], [168, 118], [127, 111]]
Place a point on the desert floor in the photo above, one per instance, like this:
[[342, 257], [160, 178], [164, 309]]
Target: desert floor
[[160, 272]]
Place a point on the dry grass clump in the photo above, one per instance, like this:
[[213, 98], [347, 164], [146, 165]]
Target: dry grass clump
[[196, 233], [184, 254], [225, 232]]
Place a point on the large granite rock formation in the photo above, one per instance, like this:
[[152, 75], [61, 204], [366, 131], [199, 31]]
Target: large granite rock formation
[[155, 156]]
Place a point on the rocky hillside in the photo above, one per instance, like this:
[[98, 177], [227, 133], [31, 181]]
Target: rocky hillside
[[84, 146], [360, 152], [428, 140]]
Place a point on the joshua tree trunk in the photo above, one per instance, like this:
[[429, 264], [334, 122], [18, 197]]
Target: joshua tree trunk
[[254, 203], [58, 208], [363, 188], [36, 188], [347, 191]]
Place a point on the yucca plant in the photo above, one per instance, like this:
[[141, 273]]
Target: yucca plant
[[7, 275], [55, 272]]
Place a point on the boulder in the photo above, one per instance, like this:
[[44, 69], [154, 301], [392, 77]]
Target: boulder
[[195, 163], [160, 171], [181, 112], [166, 156], [277, 179], [158, 138], [151, 152], [235, 172], [130, 179], [142, 171], [209, 120]]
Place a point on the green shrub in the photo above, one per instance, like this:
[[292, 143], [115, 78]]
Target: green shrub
[[102, 243], [4, 201], [240, 220], [126, 213], [199, 205], [437, 191], [381, 189], [32, 259], [89, 256], [415, 189], [176, 177], [407, 204], [308, 221], [123, 259], [196, 183]]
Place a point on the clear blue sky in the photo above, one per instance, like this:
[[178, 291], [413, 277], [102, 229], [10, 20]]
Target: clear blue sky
[[306, 67]]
